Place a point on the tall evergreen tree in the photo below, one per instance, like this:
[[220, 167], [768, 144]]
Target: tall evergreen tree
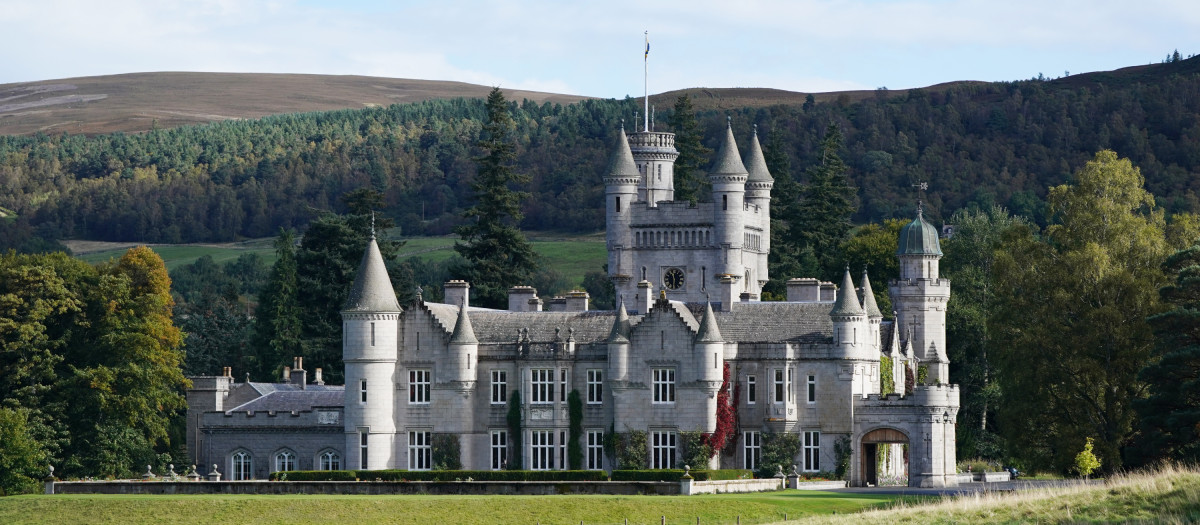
[[827, 202], [277, 324], [497, 255], [1170, 415], [782, 261], [689, 183]]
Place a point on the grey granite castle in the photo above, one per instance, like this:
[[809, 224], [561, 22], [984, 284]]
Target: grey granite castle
[[689, 279]]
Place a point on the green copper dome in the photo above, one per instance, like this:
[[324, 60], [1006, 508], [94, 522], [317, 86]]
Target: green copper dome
[[919, 238]]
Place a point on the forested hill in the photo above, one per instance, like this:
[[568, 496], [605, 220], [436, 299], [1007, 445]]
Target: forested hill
[[975, 143]]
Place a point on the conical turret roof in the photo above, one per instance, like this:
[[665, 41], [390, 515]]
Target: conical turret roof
[[708, 332], [868, 302], [620, 328], [372, 291], [847, 300], [621, 163], [756, 163], [729, 161], [464, 333]]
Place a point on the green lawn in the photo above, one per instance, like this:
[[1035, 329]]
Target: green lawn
[[565, 509], [571, 256]]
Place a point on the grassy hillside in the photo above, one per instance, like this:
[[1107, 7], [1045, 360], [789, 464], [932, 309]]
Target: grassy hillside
[[142, 101], [465, 510]]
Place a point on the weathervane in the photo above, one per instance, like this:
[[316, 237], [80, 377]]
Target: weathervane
[[921, 188]]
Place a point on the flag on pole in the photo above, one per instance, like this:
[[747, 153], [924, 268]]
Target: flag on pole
[[647, 46]]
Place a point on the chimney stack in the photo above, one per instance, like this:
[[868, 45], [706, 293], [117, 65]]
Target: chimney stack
[[523, 299], [317, 380], [577, 301], [457, 292], [298, 376]]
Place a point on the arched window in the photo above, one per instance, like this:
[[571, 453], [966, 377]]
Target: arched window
[[243, 466], [285, 461], [330, 460]]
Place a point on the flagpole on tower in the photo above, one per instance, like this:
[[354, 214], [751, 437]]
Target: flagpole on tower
[[646, 83]]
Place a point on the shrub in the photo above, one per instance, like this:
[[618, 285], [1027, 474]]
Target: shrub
[[842, 452], [315, 475], [513, 418], [631, 449], [676, 474], [483, 475], [696, 450], [446, 452], [779, 450], [575, 430]]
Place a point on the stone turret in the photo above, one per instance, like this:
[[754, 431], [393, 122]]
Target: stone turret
[[463, 352], [728, 178], [654, 154], [618, 346], [621, 190], [758, 197], [850, 328], [370, 323], [920, 295], [710, 359]]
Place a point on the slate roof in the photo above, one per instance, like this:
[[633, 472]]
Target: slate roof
[[774, 322], [285, 397], [847, 299], [500, 326], [729, 161], [709, 332], [621, 164], [885, 335], [868, 303], [372, 291], [756, 163]]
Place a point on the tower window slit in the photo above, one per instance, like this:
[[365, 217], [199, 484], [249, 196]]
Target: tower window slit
[[618, 204], [724, 202]]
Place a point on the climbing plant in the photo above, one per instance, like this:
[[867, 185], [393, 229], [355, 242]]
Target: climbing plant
[[514, 431], [574, 430]]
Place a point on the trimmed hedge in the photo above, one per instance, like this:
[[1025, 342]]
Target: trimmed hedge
[[315, 475], [676, 474], [440, 475]]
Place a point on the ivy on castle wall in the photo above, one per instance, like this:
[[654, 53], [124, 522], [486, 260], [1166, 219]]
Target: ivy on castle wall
[[696, 449], [514, 431], [887, 383], [574, 430]]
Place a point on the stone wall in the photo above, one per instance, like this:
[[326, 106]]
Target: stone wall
[[525, 488]]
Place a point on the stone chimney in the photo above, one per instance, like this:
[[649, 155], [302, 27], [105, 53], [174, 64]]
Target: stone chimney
[[645, 297], [317, 377], [828, 292], [523, 299], [748, 297], [726, 294], [577, 301], [298, 376], [807, 290], [287, 374], [457, 292], [557, 304]]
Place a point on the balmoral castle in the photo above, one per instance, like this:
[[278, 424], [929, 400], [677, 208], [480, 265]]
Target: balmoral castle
[[688, 279]]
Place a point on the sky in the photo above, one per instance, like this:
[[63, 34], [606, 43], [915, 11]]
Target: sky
[[596, 48]]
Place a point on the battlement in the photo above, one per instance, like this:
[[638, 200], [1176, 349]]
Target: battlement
[[652, 141]]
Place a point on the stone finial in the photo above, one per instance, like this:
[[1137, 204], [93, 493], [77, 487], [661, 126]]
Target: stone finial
[[779, 471], [149, 473], [214, 475], [193, 475]]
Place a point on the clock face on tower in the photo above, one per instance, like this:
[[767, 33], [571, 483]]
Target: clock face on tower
[[673, 278]]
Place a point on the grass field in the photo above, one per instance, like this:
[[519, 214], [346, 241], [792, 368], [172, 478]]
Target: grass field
[[572, 256], [565, 509], [1170, 495]]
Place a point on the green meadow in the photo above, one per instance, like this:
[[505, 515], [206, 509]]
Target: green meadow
[[571, 256], [466, 510]]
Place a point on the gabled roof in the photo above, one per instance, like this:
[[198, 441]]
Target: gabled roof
[[372, 291], [756, 163], [286, 397], [771, 321], [729, 161]]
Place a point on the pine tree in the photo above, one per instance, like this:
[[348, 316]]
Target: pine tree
[[497, 254], [277, 325], [822, 218], [1170, 419], [689, 185], [782, 261]]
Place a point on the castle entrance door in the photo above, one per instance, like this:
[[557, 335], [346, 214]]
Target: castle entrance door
[[884, 457]]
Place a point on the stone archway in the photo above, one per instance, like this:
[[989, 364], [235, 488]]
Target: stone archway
[[891, 446]]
